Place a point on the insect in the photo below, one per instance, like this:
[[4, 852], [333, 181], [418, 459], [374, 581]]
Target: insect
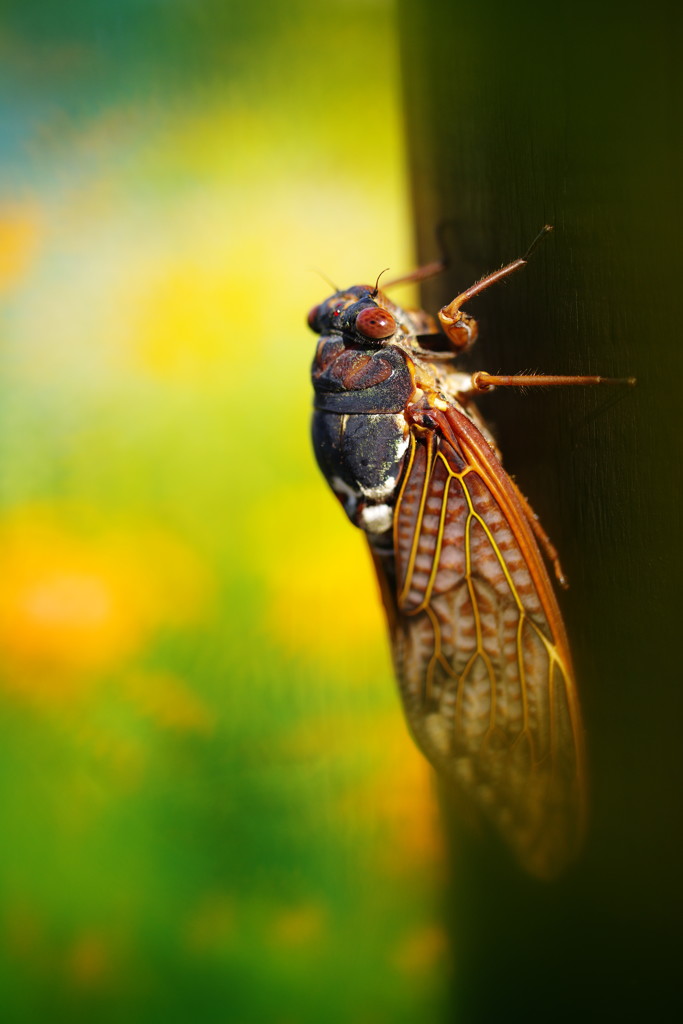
[[479, 645]]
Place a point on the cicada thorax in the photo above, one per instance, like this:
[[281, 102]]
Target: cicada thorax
[[478, 641], [360, 433]]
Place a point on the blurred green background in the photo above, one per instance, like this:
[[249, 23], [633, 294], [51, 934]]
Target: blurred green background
[[211, 810]]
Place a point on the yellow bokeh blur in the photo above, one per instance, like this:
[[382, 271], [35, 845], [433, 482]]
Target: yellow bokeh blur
[[72, 607], [210, 776]]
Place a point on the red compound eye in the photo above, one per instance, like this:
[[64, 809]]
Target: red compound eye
[[312, 318], [376, 323]]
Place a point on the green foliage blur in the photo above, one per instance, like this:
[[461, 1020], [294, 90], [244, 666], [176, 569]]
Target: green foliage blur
[[211, 810]]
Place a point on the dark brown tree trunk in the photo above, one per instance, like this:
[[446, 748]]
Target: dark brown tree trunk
[[521, 114]]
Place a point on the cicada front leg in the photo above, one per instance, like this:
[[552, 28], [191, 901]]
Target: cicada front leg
[[461, 329]]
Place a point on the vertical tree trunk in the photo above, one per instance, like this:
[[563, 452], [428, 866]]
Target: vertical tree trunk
[[521, 114]]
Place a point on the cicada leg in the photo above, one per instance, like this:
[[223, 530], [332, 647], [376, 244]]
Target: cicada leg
[[483, 381], [460, 328], [419, 274], [428, 270]]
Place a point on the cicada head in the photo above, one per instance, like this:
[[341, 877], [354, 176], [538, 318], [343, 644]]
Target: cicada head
[[362, 315]]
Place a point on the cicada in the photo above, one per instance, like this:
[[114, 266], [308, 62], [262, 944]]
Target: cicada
[[479, 646]]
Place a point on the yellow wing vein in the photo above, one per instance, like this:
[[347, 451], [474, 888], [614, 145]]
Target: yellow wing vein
[[405, 590], [437, 656], [526, 731], [480, 651], [439, 536]]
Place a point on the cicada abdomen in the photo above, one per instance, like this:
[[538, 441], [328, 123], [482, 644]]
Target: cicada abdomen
[[478, 641]]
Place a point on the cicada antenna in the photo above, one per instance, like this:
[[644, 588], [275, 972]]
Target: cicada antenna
[[333, 286], [375, 291]]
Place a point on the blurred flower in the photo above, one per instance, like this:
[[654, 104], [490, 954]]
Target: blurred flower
[[75, 605], [19, 238], [298, 926], [422, 950], [211, 924], [88, 961], [168, 702]]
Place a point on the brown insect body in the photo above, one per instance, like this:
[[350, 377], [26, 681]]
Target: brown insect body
[[479, 646]]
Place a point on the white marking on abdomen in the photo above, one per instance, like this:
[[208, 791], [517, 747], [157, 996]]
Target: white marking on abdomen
[[377, 518], [383, 490]]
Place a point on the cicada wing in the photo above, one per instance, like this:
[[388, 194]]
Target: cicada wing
[[479, 645]]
